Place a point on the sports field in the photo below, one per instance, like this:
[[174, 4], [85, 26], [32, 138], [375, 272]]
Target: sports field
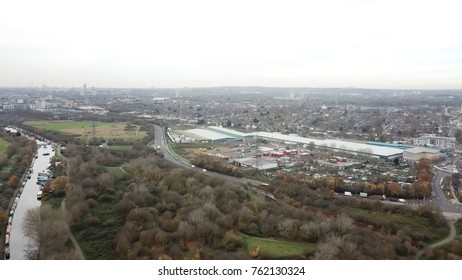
[[278, 248], [84, 129]]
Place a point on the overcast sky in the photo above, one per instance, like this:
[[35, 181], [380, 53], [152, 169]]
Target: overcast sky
[[195, 43]]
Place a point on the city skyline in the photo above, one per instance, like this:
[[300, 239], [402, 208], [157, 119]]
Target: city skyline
[[360, 44]]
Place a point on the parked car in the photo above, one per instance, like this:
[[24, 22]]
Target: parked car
[[7, 253]]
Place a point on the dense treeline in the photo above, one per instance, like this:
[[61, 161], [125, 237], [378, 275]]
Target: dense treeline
[[17, 159], [155, 211], [416, 189], [216, 164]]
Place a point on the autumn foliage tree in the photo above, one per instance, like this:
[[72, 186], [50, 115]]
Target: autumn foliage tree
[[13, 181], [58, 185], [394, 189], [419, 190]]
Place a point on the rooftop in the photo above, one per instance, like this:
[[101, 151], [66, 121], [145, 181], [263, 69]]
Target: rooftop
[[418, 150], [208, 134], [334, 144]]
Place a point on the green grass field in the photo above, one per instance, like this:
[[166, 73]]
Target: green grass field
[[3, 146], [9, 166], [84, 129], [278, 248], [121, 148], [116, 169]]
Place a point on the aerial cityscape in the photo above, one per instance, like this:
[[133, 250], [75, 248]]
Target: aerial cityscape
[[230, 173], [260, 134]]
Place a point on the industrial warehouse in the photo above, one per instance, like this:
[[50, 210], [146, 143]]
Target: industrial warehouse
[[211, 134], [216, 134]]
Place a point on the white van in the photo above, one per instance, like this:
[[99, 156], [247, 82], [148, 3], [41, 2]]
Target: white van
[[39, 195], [348, 194]]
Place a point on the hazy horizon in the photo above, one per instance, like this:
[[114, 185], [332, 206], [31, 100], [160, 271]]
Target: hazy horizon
[[407, 45], [228, 87]]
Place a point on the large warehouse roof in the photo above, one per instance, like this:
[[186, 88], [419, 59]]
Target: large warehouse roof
[[208, 134], [335, 144], [227, 131]]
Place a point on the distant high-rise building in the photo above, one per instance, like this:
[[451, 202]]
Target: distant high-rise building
[[292, 95], [84, 89]]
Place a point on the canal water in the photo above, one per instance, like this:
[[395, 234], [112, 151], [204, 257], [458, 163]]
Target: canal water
[[19, 243]]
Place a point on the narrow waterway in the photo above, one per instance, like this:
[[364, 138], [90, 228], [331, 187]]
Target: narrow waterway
[[28, 200]]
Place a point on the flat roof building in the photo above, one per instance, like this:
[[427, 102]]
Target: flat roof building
[[371, 150], [431, 140], [202, 134], [420, 153], [233, 133]]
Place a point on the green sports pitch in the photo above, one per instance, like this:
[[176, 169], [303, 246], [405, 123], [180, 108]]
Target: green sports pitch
[[84, 129]]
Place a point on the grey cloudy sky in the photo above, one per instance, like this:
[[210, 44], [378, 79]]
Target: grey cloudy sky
[[178, 43]]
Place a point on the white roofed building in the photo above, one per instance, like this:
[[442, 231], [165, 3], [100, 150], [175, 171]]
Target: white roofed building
[[206, 135], [371, 150], [419, 153], [431, 140]]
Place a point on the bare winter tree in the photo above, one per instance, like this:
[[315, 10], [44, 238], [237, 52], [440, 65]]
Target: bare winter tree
[[48, 234], [31, 228]]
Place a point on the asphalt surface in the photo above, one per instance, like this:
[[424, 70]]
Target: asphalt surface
[[170, 156], [440, 199]]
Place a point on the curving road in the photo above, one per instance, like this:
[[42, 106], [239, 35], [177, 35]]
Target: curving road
[[450, 210], [177, 160]]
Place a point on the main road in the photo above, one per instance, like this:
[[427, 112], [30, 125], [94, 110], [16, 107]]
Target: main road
[[169, 155], [450, 209]]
